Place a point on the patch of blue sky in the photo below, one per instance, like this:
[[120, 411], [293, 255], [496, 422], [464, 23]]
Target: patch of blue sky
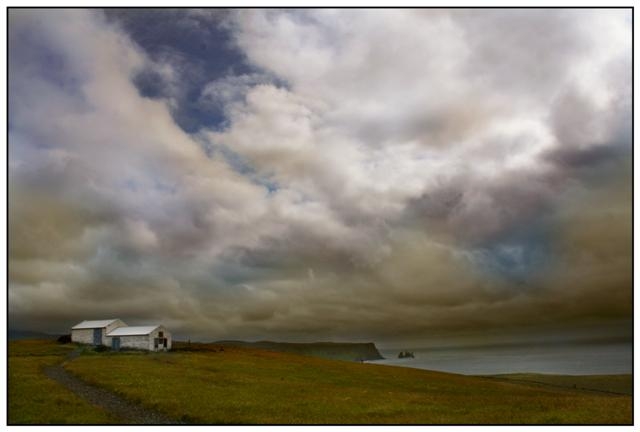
[[243, 166], [517, 257], [199, 50]]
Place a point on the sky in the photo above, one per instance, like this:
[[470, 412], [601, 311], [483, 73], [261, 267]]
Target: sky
[[397, 176]]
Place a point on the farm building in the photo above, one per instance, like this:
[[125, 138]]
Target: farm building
[[94, 332], [116, 334], [152, 338]]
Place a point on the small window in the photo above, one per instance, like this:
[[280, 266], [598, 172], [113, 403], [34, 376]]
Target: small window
[[160, 334]]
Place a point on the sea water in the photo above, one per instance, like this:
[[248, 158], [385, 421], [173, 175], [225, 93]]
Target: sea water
[[569, 359]]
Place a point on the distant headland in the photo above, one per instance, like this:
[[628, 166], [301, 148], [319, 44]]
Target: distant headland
[[330, 350]]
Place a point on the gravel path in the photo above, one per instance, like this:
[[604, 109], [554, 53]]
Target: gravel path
[[128, 412]]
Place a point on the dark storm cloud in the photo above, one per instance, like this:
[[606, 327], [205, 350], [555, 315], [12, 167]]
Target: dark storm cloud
[[320, 174], [190, 48]]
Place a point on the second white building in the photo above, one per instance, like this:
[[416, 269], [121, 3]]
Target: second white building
[[152, 338]]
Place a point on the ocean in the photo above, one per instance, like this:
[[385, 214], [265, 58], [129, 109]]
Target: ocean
[[567, 359]]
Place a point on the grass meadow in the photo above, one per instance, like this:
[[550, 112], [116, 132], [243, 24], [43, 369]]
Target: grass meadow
[[36, 399], [213, 385]]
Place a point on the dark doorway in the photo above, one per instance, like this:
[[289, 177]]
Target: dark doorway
[[97, 336]]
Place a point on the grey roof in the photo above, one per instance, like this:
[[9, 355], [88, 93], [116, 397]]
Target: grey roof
[[93, 324], [132, 331]]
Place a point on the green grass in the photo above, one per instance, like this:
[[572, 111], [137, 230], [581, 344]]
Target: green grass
[[241, 385], [36, 347], [608, 383], [36, 399]]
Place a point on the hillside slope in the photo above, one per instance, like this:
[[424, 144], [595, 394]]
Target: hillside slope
[[227, 384]]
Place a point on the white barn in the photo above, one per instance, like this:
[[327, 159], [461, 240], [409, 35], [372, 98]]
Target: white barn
[[151, 338], [115, 334], [94, 332]]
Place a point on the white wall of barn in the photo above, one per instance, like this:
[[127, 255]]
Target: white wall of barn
[[84, 336], [137, 342], [114, 325], [144, 342], [165, 334]]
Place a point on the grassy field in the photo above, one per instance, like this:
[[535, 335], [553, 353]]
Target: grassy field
[[248, 386], [36, 399]]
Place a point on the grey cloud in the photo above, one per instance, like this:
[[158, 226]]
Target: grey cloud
[[518, 50]]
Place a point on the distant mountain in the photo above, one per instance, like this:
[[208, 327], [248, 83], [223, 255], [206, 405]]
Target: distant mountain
[[330, 350], [16, 334]]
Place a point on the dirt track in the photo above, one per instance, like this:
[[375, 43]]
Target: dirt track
[[125, 411]]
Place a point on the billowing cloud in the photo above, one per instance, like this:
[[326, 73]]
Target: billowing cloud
[[362, 174]]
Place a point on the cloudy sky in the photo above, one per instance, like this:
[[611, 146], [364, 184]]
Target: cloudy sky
[[384, 175]]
